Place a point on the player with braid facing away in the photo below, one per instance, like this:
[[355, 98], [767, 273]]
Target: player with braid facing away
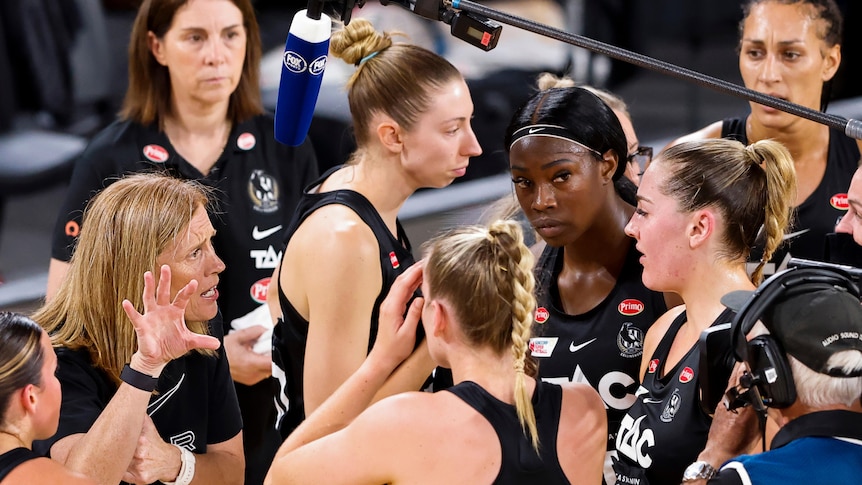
[[496, 425]]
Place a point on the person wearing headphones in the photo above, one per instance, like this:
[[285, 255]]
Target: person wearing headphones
[[802, 366]]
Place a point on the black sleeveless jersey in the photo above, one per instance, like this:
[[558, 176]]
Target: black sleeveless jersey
[[666, 428], [12, 458], [291, 331], [818, 214], [521, 465], [601, 347]]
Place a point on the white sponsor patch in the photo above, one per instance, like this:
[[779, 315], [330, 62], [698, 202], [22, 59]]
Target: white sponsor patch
[[542, 346]]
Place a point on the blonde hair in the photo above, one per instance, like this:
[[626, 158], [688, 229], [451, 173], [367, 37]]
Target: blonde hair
[[126, 227], [490, 265], [547, 81], [752, 186], [394, 79]]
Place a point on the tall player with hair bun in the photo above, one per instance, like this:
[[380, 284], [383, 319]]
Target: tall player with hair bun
[[344, 247]]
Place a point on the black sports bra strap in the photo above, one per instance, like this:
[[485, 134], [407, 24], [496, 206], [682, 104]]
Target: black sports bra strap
[[12, 458]]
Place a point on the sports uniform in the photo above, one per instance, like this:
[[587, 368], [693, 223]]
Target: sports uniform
[[12, 458], [817, 215], [666, 427], [820, 447], [258, 183], [521, 464], [195, 404], [291, 334], [601, 347]]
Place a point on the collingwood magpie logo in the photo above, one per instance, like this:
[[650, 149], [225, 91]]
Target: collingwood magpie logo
[[263, 191], [672, 407], [630, 340]]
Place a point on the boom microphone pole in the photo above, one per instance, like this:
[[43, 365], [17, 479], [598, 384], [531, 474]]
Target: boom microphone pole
[[477, 28], [851, 127]]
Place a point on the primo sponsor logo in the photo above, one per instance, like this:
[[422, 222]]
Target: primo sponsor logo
[[839, 201], [630, 307], [542, 314]]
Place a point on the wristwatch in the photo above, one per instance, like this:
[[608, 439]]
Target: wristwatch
[[699, 470], [187, 469]]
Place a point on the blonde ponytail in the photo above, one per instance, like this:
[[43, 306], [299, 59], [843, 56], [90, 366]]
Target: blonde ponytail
[[777, 164]]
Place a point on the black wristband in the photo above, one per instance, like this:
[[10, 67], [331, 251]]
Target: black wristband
[[138, 379]]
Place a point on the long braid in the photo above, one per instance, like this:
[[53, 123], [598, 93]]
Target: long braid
[[492, 265], [518, 272]]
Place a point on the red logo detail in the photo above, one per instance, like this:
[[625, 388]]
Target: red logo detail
[[542, 314], [258, 290], [73, 229], [246, 141], [653, 366], [532, 346], [839, 201], [394, 260], [686, 375], [630, 307], [155, 153]]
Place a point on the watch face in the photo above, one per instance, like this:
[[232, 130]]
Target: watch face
[[698, 470]]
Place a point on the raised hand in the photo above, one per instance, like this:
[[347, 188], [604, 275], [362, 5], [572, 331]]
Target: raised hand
[[161, 330], [396, 333]]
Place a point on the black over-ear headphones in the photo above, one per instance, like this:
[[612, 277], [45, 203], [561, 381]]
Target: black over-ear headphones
[[769, 381]]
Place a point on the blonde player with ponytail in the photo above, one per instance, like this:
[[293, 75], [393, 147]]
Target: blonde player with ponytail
[[701, 206], [496, 425]]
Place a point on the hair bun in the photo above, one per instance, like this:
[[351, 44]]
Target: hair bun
[[357, 40], [547, 81]]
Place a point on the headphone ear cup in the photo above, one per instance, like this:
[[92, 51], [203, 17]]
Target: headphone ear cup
[[778, 286], [771, 372]]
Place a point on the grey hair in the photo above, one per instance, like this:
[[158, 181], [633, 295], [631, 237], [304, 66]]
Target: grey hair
[[817, 390]]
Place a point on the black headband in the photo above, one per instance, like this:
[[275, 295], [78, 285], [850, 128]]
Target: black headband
[[553, 131]]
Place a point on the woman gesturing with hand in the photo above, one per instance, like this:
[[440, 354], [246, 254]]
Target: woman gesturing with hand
[[147, 392]]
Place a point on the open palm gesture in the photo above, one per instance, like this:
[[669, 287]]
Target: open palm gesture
[[161, 330]]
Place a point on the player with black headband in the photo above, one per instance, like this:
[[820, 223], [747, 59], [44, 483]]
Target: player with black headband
[[799, 337], [567, 156]]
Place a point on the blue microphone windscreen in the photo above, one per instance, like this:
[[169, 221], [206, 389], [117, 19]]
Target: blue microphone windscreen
[[302, 68]]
